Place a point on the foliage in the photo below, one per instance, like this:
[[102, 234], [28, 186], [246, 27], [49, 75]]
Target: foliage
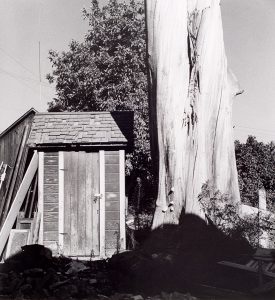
[[227, 216], [107, 71], [256, 169]]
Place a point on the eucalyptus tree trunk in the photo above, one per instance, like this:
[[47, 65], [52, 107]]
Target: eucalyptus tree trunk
[[191, 92]]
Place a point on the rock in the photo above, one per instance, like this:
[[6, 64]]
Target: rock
[[25, 289], [75, 267], [137, 297], [66, 291], [58, 284], [92, 281], [102, 297], [34, 272]]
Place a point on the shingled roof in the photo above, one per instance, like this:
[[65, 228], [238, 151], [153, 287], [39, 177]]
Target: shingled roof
[[86, 128]]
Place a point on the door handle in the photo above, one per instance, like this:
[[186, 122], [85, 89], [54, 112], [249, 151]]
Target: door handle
[[97, 197]]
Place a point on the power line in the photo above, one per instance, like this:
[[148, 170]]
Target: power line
[[239, 127], [18, 62], [26, 78]]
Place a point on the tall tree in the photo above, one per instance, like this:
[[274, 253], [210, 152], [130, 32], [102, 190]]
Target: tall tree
[[190, 105], [107, 71], [256, 169]]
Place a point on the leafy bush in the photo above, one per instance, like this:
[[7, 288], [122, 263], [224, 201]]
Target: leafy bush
[[227, 216]]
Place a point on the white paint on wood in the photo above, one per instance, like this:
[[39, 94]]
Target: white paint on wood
[[41, 194], [18, 200], [61, 201], [262, 199], [17, 239], [122, 199], [102, 203]]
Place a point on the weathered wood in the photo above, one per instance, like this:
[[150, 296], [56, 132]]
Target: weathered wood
[[67, 202], [112, 168], [112, 196], [112, 215], [50, 235], [112, 206], [96, 204], [61, 193], [17, 203], [40, 204], [114, 186], [112, 225], [122, 230], [74, 205], [8, 197], [102, 203], [36, 228], [33, 196], [81, 213]]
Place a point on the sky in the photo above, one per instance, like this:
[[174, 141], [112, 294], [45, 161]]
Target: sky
[[249, 27]]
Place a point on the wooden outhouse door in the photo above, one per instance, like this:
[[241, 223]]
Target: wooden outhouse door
[[81, 203]]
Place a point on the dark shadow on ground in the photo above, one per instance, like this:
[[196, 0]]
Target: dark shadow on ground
[[184, 258]]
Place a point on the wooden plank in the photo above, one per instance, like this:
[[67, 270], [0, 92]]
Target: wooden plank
[[112, 168], [102, 203], [114, 186], [51, 188], [112, 196], [51, 154], [67, 202], [51, 198], [111, 152], [95, 208], [41, 194], [112, 215], [244, 267], [30, 237], [8, 197], [111, 178], [50, 235], [17, 203], [112, 206], [90, 191], [74, 204], [33, 196], [122, 200], [50, 217], [50, 226], [51, 178], [50, 169], [17, 239], [51, 160], [81, 213], [61, 201], [112, 225], [36, 228], [112, 159], [51, 207]]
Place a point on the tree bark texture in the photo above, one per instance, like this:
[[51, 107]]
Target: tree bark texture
[[191, 92]]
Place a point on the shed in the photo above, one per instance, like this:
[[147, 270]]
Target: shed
[[13, 159], [81, 181]]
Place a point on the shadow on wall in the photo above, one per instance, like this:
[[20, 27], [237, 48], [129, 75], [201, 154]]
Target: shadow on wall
[[180, 257]]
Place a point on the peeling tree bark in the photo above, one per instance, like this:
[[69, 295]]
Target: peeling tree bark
[[190, 104]]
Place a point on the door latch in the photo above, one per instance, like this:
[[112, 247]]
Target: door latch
[[97, 197]]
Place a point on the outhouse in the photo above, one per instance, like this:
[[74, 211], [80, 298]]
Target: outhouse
[[81, 180]]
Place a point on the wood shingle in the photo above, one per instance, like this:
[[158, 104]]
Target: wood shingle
[[89, 128]]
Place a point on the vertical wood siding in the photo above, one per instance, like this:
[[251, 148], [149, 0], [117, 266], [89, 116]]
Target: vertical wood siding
[[112, 204], [81, 211], [50, 203]]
